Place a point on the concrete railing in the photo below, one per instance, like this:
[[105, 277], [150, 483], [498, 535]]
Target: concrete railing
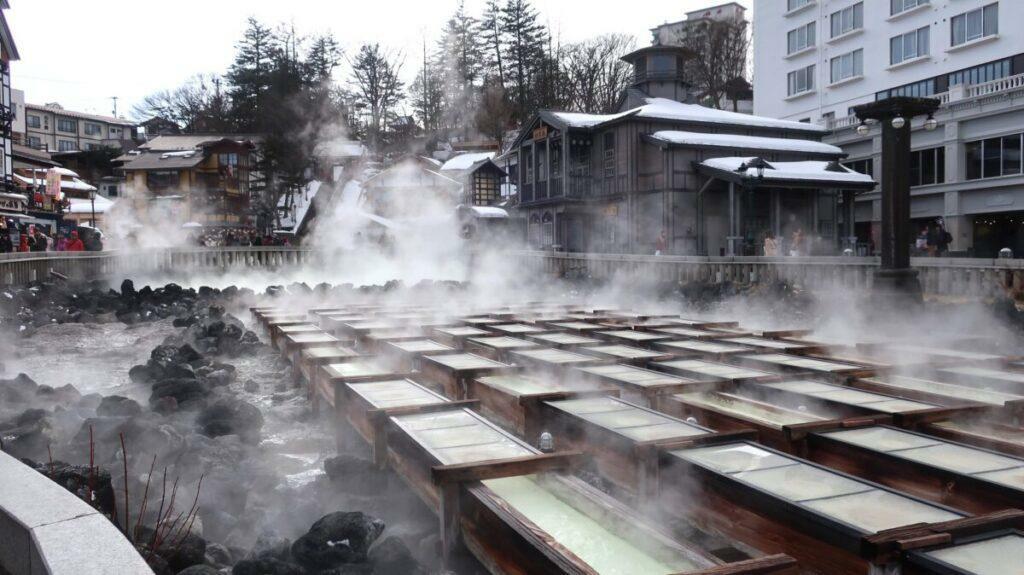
[[45, 529], [939, 276], [22, 268]]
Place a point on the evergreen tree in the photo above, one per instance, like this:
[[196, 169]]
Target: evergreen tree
[[524, 43], [460, 62], [491, 36], [249, 75]]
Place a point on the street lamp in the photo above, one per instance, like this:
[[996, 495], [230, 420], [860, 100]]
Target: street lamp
[[92, 200], [931, 123], [895, 279], [863, 129]]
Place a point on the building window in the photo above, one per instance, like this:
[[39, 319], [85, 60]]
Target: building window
[[974, 24], [33, 121], [801, 80], [89, 147], [898, 6], [65, 146], [794, 4], [994, 157], [609, 155], [112, 190], [801, 38], [548, 230], [865, 166], [529, 165], [485, 189], [35, 142], [983, 73], [848, 65], [921, 89], [928, 167], [542, 163], [66, 125], [161, 180], [115, 132], [908, 46], [848, 19], [93, 129]]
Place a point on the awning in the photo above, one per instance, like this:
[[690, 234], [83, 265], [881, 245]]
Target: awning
[[807, 174]]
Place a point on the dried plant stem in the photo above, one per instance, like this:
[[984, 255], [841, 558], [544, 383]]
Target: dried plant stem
[[124, 457]]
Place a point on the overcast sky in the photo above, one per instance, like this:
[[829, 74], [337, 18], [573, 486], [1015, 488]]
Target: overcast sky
[[80, 53]]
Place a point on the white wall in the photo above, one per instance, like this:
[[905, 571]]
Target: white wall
[[771, 65]]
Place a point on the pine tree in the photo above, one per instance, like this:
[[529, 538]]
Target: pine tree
[[249, 75], [459, 59], [524, 45], [491, 35]]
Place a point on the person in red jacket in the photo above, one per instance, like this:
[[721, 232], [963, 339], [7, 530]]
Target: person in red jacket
[[75, 244]]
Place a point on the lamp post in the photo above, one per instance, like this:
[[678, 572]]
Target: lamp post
[[92, 200], [895, 278]]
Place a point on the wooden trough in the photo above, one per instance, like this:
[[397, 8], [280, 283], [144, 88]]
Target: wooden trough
[[513, 400], [776, 426], [706, 349], [704, 370], [562, 340], [624, 438], [453, 372], [497, 347], [507, 503], [405, 355], [970, 478], [625, 354], [637, 384], [831, 522], [990, 553]]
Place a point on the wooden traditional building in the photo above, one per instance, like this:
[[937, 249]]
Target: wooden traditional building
[[192, 179], [715, 182], [480, 176]]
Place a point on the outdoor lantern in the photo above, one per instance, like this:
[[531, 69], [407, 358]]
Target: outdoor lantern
[[931, 123], [898, 122], [547, 442], [863, 129]]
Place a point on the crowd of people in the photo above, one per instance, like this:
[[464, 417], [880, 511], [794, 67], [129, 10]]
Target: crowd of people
[[16, 238], [235, 237], [933, 240]]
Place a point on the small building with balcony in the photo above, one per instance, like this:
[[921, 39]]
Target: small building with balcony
[[191, 179]]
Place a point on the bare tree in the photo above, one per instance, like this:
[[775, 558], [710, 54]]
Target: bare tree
[[719, 57], [198, 105], [595, 74], [494, 113], [375, 78]]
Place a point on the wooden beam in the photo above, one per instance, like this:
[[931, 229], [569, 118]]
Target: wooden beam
[[890, 541], [771, 564], [426, 408], [510, 467]]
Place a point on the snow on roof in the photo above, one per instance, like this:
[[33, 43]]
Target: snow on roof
[[300, 204], [581, 120], [487, 212], [746, 142], [341, 149], [663, 108], [466, 161], [74, 184], [807, 170], [83, 206]]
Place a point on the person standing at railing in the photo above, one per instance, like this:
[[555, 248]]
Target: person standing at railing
[[75, 243], [661, 244], [771, 245]]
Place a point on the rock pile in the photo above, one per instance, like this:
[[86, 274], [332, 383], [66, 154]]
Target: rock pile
[[61, 301]]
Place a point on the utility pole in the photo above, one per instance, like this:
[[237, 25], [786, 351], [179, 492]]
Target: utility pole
[[114, 99]]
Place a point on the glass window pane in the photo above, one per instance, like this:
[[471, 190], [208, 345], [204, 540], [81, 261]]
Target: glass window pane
[[895, 50], [1011, 155], [927, 167], [972, 153], [915, 169], [922, 42], [974, 24], [959, 30], [940, 165], [991, 19], [992, 158]]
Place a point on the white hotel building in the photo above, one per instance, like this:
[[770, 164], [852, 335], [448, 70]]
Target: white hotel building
[[816, 59]]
